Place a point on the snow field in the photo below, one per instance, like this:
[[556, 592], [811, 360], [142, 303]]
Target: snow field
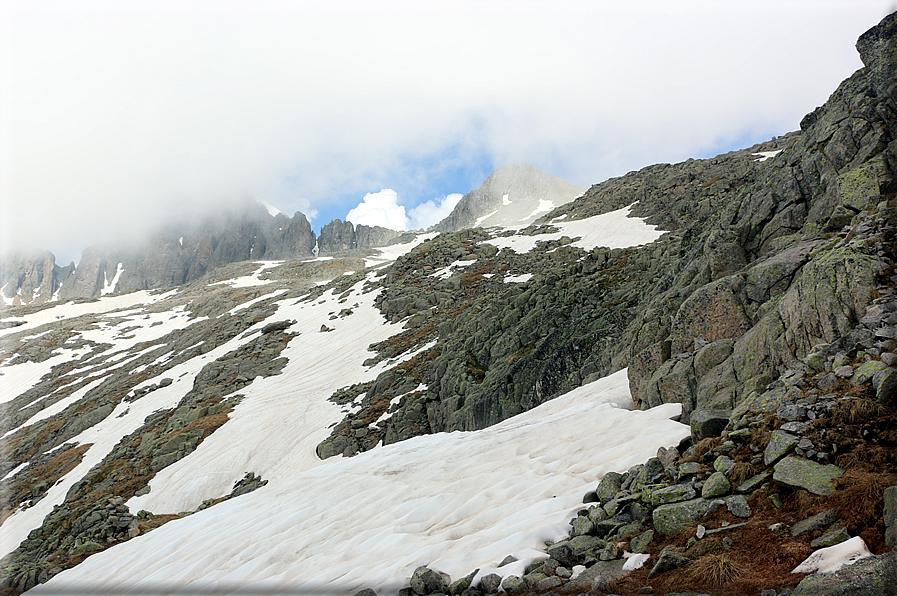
[[612, 230], [391, 253], [453, 501], [69, 310], [275, 429]]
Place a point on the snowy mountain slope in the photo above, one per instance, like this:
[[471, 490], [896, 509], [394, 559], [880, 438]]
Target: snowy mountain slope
[[168, 399], [771, 274], [456, 502]]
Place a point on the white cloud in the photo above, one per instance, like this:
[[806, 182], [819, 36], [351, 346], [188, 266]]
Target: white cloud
[[114, 115], [430, 212], [380, 209]]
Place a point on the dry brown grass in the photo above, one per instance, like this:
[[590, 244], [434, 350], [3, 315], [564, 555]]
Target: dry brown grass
[[704, 446], [718, 569], [741, 472], [861, 487], [855, 411]]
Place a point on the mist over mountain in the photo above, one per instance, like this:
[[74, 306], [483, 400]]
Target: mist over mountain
[[185, 250]]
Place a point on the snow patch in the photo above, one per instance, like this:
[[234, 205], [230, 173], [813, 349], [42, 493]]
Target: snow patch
[[612, 230], [764, 155], [833, 558], [518, 279], [109, 287]]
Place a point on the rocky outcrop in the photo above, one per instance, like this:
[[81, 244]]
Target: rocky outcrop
[[181, 253], [31, 277], [510, 195], [339, 236]]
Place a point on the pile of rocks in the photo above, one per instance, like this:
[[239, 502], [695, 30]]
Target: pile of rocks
[[772, 447]]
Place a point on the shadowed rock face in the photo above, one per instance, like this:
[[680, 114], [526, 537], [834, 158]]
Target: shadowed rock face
[[511, 194]]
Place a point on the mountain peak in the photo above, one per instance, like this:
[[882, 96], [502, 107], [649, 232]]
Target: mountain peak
[[514, 194]]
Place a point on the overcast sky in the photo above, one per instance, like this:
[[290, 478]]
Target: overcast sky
[[116, 115]]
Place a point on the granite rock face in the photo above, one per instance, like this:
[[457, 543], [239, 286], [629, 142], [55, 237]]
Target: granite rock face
[[31, 276]]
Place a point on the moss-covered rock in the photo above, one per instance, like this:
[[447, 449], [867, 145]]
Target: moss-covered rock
[[796, 472]]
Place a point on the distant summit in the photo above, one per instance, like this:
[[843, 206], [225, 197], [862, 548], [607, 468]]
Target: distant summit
[[184, 251], [512, 195]]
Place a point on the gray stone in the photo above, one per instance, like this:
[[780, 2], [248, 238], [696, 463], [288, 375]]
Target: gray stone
[[742, 435], [508, 560], [716, 486], [609, 486], [885, 384], [597, 514], [458, 586], [791, 412], [640, 543], [890, 516], [582, 525], [425, 581], [797, 428], [688, 469], [723, 464], [490, 583], [670, 494], [834, 535], [667, 457], [796, 472], [738, 506], [865, 372], [649, 473], [813, 523], [513, 584], [780, 443], [675, 517], [708, 423], [667, 561]]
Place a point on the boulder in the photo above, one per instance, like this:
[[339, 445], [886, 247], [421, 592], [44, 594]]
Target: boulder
[[885, 384], [834, 535], [490, 583], [780, 444], [723, 464], [514, 585], [669, 494], [582, 526], [716, 486], [458, 586], [609, 486], [738, 506], [675, 517], [890, 516], [667, 561], [796, 472], [814, 522], [868, 370], [640, 543], [708, 423], [753, 483], [425, 581]]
